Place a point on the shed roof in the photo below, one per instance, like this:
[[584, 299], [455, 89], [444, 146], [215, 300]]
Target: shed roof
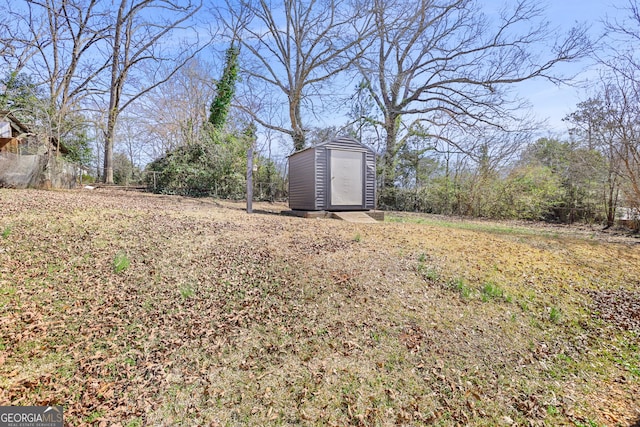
[[346, 140]]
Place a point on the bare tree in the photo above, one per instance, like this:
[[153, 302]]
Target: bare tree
[[146, 50], [622, 96], [174, 113], [294, 48], [6, 39], [444, 63], [131, 139], [594, 126], [621, 38], [629, 147], [56, 41], [13, 53]]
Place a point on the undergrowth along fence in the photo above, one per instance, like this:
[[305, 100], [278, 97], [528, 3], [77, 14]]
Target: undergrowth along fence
[[498, 205], [228, 187]]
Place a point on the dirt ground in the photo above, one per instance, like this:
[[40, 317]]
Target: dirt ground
[[136, 309]]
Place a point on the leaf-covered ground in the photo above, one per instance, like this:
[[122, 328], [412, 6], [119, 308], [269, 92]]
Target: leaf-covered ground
[[132, 309]]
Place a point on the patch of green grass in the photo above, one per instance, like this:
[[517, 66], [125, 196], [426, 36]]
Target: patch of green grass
[[54, 268], [427, 272], [633, 370], [66, 370], [554, 315], [6, 232], [460, 285], [121, 262], [628, 356], [490, 291], [392, 362], [187, 292], [491, 228], [136, 422], [391, 218], [431, 274], [94, 416], [473, 226], [357, 238], [552, 410], [588, 423]]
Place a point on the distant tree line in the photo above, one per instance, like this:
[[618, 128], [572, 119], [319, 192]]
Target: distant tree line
[[549, 180], [592, 174]]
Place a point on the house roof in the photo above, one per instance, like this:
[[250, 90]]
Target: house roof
[[4, 114]]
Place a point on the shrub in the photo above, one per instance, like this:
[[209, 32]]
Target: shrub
[[214, 166]]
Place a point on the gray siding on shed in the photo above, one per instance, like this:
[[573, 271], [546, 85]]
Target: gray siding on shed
[[302, 181], [322, 177], [309, 180], [370, 180]]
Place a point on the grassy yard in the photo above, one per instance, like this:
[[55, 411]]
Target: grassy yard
[[133, 309]]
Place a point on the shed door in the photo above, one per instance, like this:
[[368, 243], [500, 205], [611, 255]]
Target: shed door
[[346, 169]]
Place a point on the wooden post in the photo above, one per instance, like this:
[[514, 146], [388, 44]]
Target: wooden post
[[250, 179]]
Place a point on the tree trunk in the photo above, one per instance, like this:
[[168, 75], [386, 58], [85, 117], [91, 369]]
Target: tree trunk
[[107, 174], [298, 139], [390, 152], [297, 132], [114, 94]]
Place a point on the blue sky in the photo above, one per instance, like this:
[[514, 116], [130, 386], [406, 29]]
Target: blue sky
[[549, 101]]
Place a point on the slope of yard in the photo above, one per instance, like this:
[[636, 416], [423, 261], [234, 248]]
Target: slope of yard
[[133, 309]]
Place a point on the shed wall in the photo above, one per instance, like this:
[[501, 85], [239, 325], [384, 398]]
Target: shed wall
[[302, 191]]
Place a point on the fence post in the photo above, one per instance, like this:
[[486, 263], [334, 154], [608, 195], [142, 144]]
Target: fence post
[[250, 179]]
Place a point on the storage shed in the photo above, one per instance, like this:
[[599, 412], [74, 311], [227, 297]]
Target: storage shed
[[337, 175]]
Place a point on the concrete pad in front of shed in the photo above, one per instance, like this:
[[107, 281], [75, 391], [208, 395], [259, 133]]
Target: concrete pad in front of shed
[[354, 217], [307, 214]]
